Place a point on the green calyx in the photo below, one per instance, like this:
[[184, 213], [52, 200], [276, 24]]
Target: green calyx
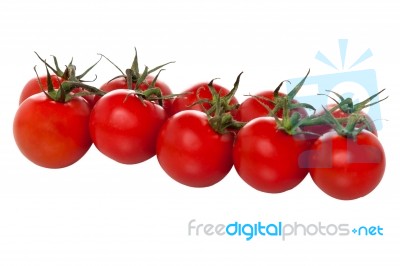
[[350, 129], [68, 80], [63, 94], [287, 103], [223, 122], [151, 93], [222, 103], [290, 121], [349, 126], [69, 73], [219, 114], [133, 75], [346, 105]]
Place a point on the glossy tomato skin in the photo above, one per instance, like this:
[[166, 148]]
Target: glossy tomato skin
[[268, 159], [195, 93], [33, 86], [125, 128], [324, 128], [252, 108], [121, 83], [191, 152], [347, 168], [52, 134]]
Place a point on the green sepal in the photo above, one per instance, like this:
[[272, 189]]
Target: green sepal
[[70, 71], [297, 88]]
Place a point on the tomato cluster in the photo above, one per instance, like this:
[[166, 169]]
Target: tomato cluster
[[199, 135]]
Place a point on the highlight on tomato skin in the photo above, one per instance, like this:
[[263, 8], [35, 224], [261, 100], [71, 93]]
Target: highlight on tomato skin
[[347, 168]]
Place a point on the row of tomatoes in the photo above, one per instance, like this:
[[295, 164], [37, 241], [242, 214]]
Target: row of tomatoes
[[198, 135]]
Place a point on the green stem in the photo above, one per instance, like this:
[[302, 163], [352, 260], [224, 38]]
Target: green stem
[[68, 86], [320, 120], [352, 122], [153, 91]]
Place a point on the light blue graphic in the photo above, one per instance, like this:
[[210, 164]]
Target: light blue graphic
[[367, 54], [321, 57], [366, 79], [343, 51]]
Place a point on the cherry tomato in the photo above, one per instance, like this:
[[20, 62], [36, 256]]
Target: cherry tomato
[[191, 152], [125, 127], [198, 92], [121, 83], [33, 86], [253, 107], [52, 134], [347, 168], [268, 159]]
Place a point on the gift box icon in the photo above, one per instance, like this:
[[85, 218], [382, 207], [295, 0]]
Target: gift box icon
[[356, 84]]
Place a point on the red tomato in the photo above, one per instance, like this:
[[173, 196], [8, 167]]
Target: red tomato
[[121, 83], [52, 134], [252, 108], [347, 168], [324, 128], [268, 159], [191, 152], [33, 86], [198, 92], [124, 127]]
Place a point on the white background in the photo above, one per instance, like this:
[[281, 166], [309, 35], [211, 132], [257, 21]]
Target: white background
[[99, 212]]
